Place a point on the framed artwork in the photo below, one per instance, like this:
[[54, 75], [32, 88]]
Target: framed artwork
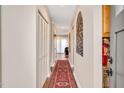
[[69, 36], [79, 34]]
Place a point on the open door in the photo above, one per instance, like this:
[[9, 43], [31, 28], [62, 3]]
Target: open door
[[116, 46], [0, 53], [119, 65]]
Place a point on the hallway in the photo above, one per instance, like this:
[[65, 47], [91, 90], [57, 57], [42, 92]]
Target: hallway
[[33, 43], [61, 46]]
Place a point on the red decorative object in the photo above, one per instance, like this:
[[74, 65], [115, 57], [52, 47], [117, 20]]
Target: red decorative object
[[62, 76], [105, 51]]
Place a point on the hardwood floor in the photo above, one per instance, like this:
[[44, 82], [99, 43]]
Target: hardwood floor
[[46, 84]]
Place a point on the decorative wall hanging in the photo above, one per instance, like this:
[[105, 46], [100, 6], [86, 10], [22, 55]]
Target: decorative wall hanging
[[79, 35], [69, 36]]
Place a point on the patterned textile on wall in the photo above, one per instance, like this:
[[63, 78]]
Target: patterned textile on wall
[[69, 42], [79, 35]]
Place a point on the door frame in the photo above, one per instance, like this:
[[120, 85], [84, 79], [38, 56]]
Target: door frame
[[116, 33], [37, 49], [38, 28], [44, 61], [0, 53]]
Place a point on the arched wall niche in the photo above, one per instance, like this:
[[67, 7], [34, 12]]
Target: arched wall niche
[[79, 34]]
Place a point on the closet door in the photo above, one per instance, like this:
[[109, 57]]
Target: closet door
[[39, 51], [44, 65], [46, 47], [43, 53]]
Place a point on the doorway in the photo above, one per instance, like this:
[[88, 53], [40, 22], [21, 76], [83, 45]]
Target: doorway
[[61, 44], [42, 63], [116, 44], [0, 53], [119, 59]]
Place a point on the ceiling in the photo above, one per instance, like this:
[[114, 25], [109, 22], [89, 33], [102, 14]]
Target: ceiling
[[62, 16]]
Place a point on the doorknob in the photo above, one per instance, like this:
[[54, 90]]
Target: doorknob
[[110, 60], [110, 72]]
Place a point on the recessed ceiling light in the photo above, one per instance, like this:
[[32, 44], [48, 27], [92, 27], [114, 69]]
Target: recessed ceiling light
[[61, 5], [63, 27]]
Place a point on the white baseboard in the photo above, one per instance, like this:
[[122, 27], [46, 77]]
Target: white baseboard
[[53, 63], [48, 75], [72, 66], [77, 80]]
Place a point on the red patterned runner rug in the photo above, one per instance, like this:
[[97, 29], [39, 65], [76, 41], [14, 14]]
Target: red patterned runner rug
[[62, 76]]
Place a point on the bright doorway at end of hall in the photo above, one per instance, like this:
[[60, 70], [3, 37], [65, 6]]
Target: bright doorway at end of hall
[[61, 44]]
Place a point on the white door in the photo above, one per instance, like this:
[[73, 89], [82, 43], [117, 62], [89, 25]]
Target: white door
[[47, 57], [42, 54], [120, 59], [44, 51], [39, 51]]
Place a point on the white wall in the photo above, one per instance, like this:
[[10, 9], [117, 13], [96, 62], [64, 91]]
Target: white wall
[[97, 45], [51, 45], [53, 50], [85, 67], [71, 50], [18, 46]]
